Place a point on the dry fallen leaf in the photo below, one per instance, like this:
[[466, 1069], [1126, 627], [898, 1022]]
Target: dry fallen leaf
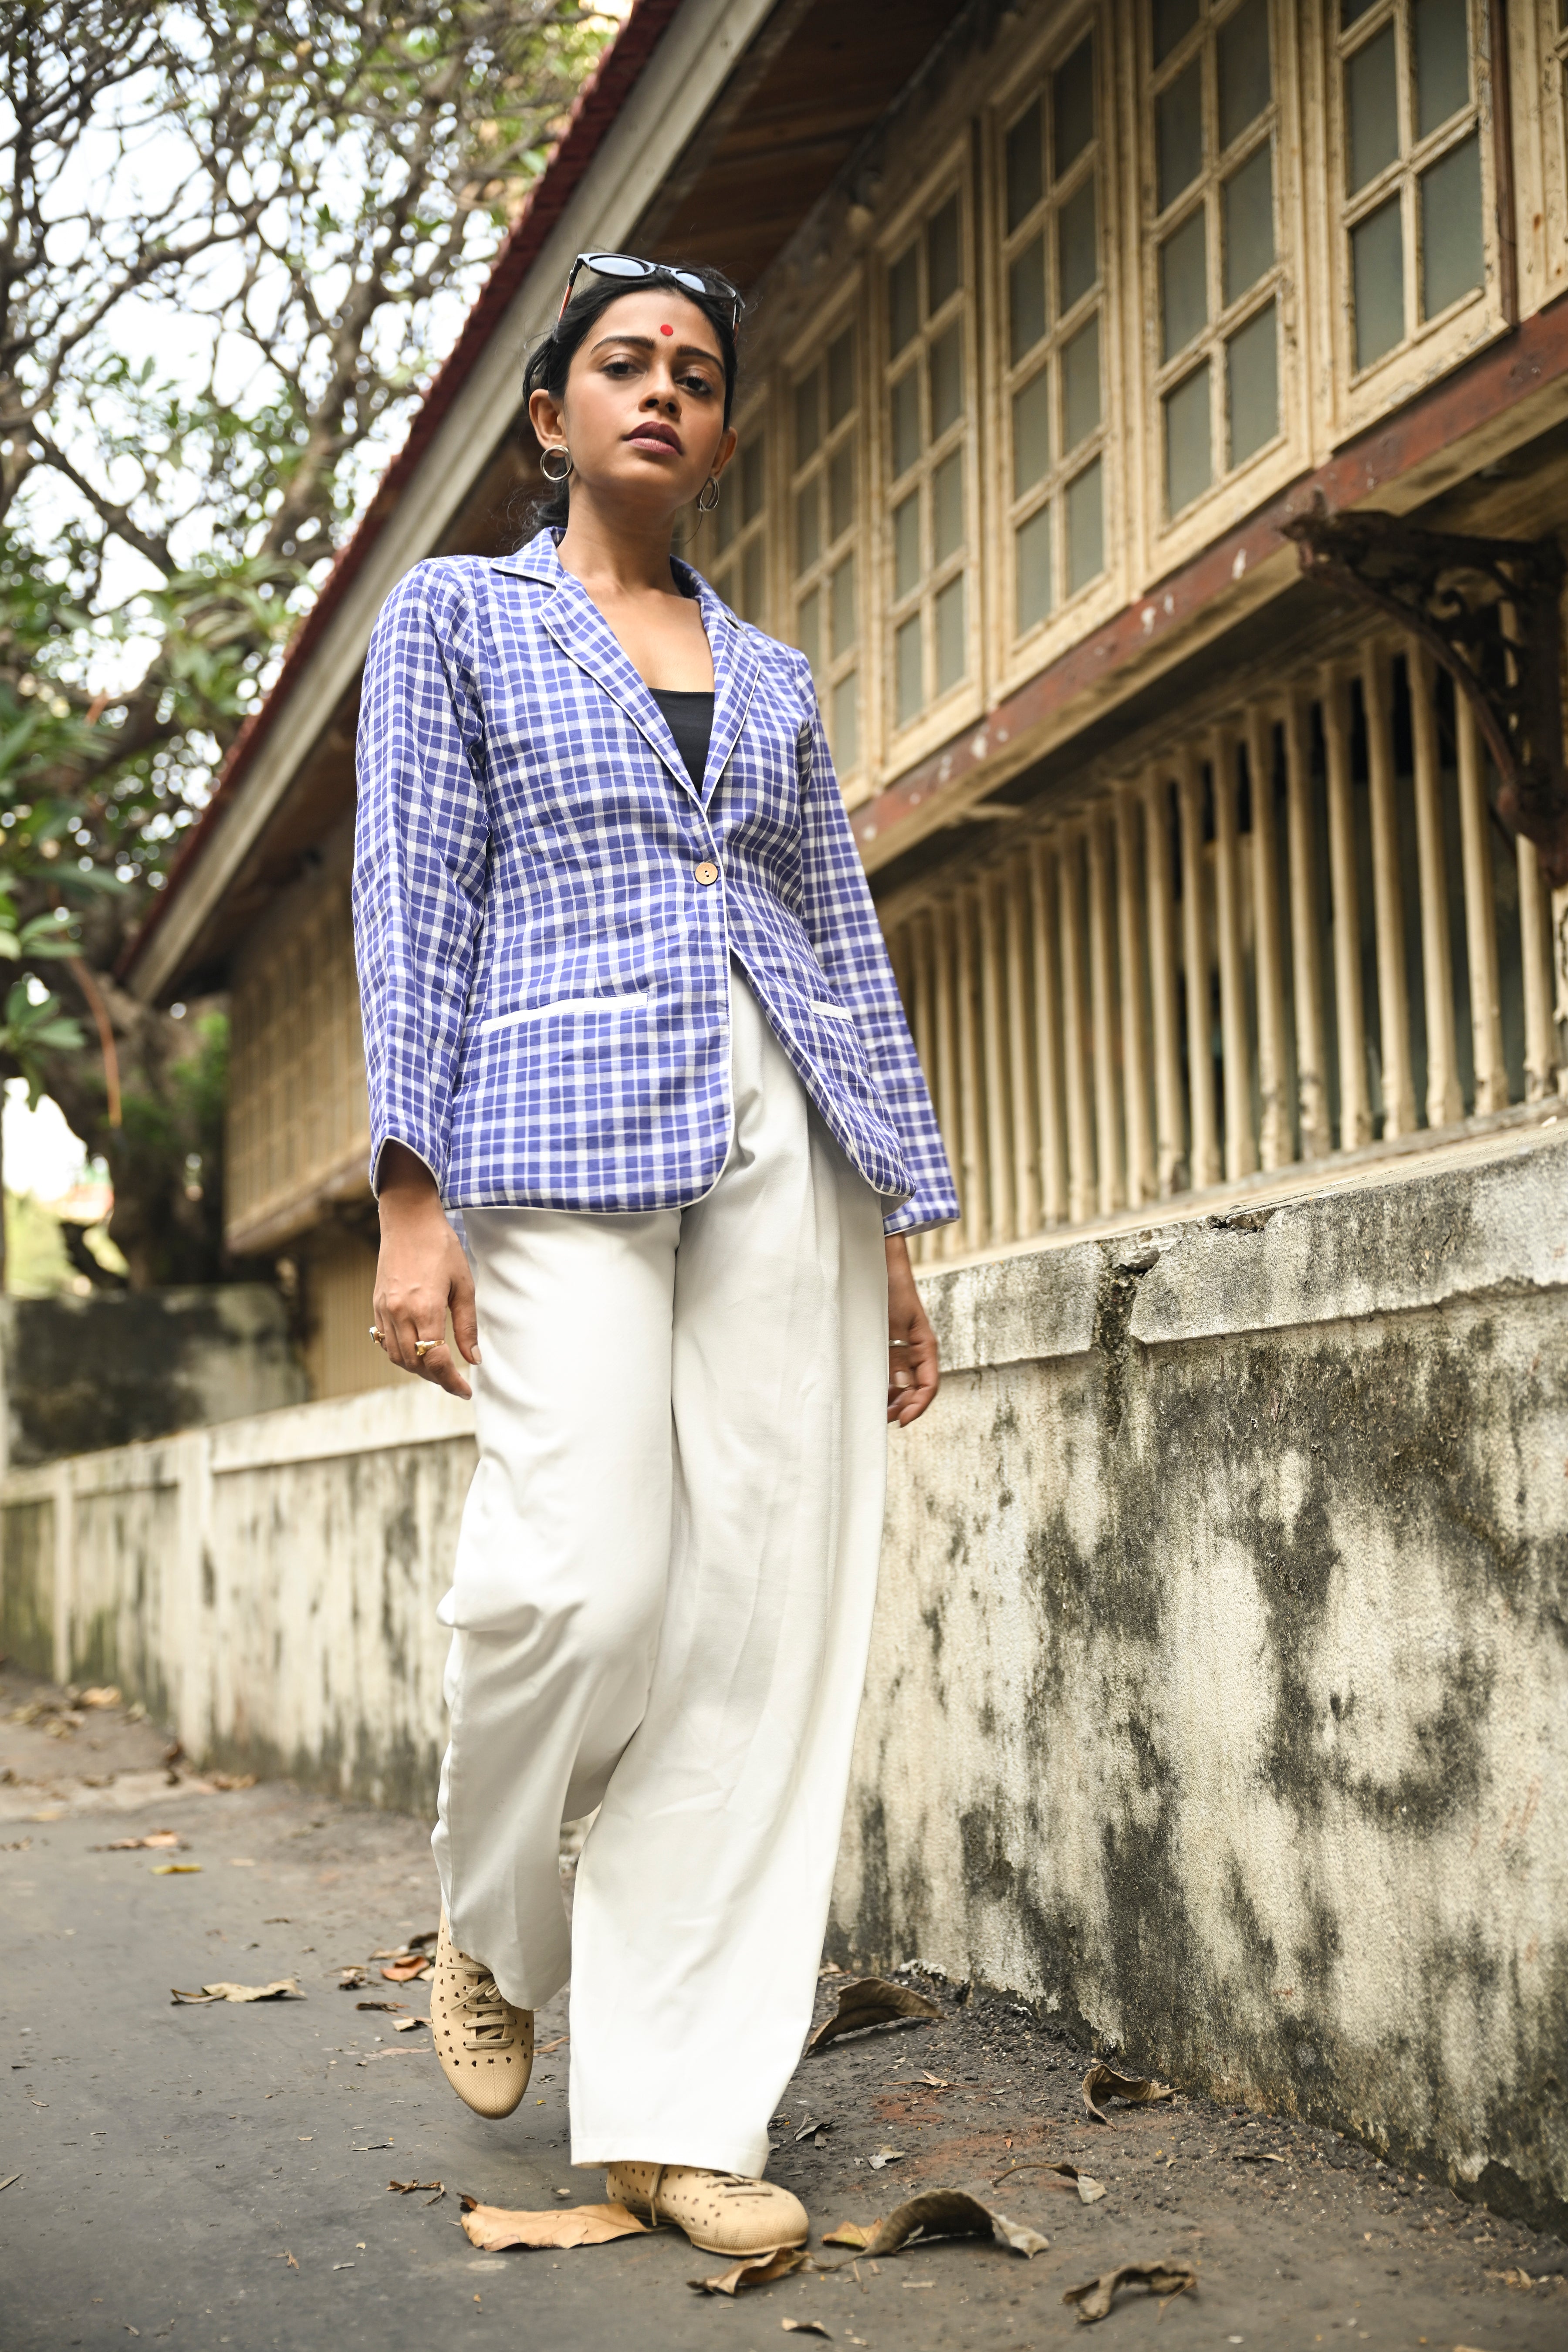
[[882, 2155], [948, 2214], [545, 2048], [1090, 2191], [408, 2024], [936, 2081], [106, 1695], [804, 2327], [351, 1980], [176, 1869], [1095, 2297], [404, 1971], [153, 1841], [282, 1989], [759, 2270], [1103, 2082], [392, 2007], [871, 2000], [858, 2234], [493, 2230], [1254, 2156], [409, 2187], [227, 1780]]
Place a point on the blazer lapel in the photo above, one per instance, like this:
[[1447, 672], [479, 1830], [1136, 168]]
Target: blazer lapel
[[736, 663]]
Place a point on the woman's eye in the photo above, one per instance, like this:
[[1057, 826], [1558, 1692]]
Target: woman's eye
[[696, 383]]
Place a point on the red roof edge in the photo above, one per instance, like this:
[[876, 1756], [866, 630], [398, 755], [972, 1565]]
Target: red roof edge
[[597, 104]]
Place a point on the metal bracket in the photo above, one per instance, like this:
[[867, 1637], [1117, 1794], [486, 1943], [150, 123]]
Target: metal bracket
[[1488, 610]]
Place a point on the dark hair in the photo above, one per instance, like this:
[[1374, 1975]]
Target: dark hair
[[550, 358]]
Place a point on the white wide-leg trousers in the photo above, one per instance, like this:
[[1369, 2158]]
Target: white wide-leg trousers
[[661, 1607]]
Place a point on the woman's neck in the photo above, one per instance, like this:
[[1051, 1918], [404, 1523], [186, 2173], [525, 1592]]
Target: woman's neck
[[624, 555]]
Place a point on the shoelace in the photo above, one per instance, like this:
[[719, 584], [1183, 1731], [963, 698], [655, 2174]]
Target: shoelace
[[487, 2025]]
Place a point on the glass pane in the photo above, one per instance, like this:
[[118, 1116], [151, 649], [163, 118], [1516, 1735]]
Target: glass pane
[[1179, 133], [1034, 561], [753, 584], [1077, 258], [903, 298], [1027, 298], [1372, 108], [1243, 60], [945, 269], [807, 416], [1188, 465], [1442, 37], [753, 482], [808, 628], [1086, 528], [1080, 385], [1072, 106], [1451, 257], [946, 380], [951, 652], [1252, 384], [1174, 19], [1026, 167], [1184, 285], [1377, 273], [846, 723], [841, 613], [841, 492], [947, 508], [1352, 11], [906, 422], [1031, 432], [909, 687], [807, 526], [840, 377], [727, 516], [1248, 210], [907, 545]]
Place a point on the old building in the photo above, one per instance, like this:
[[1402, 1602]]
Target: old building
[[1217, 1637]]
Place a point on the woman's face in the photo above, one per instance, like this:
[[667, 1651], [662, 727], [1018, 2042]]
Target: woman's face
[[643, 412]]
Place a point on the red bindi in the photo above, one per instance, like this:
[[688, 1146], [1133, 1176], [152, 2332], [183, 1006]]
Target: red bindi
[[667, 330]]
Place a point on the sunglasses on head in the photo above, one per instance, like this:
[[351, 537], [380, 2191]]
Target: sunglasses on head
[[627, 266]]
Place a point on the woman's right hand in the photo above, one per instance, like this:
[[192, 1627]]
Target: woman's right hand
[[421, 1275]]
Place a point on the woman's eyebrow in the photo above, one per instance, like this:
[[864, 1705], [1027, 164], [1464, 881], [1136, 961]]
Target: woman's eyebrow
[[646, 343]]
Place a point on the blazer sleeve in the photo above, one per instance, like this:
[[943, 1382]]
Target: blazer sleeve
[[420, 847], [842, 923]]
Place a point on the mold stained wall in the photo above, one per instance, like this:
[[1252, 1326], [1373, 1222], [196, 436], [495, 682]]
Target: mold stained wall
[[1220, 1676]]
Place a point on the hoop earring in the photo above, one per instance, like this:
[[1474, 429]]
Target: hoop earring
[[555, 450], [705, 505]]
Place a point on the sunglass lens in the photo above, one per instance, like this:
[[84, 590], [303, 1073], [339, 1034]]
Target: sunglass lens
[[616, 265]]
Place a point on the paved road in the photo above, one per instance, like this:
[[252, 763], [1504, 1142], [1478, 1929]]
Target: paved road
[[218, 2176]]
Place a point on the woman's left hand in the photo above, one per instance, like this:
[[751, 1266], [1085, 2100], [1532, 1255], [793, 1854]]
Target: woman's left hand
[[913, 1375]]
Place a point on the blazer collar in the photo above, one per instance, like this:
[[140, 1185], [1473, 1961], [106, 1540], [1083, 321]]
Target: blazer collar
[[580, 629]]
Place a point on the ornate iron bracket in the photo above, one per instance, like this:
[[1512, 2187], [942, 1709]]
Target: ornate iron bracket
[[1488, 609]]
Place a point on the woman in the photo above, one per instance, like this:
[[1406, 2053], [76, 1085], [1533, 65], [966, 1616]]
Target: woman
[[626, 1006]]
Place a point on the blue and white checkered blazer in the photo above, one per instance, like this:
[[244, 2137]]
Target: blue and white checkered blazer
[[545, 983]]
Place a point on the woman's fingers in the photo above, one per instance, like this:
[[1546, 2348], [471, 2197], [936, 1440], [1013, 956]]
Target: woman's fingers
[[465, 1316]]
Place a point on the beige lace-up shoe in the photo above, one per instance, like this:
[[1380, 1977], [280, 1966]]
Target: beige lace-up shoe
[[720, 2212], [485, 2045]]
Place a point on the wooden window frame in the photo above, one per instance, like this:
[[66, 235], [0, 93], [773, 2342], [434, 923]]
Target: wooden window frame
[[858, 779]]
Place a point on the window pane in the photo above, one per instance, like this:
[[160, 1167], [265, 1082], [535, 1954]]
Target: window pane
[[1086, 528], [1184, 285], [947, 508], [840, 377], [906, 422], [1072, 106], [1442, 61], [1243, 58], [1377, 272], [753, 482], [808, 628], [841, 490], [1249, 211], [1174, 19], [909, 687], [841, 612], [1034, 561], [727, 515], [907, 545], [1179, 133], [950, 652], [1352, 11], [1026, 296], [807, 424], [1026, 167], [846, 723], [1451, 258], [807, 526], [1078, 259], [753, 584], [1031, 432], [946, 380], [903, 298], [945, 271], [1188, 465], [1252, 384], [1080, 385], [1372, 108]]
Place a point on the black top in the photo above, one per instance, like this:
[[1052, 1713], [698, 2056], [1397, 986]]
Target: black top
[[689, 718]]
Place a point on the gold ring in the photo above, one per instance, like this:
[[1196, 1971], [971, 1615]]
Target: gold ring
[[423, 1347], [375, 1335]]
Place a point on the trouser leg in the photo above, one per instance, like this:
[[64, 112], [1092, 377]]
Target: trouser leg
[[702, 1890]]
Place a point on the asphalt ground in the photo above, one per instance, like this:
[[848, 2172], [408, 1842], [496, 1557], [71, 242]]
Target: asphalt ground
[[218, 2175]]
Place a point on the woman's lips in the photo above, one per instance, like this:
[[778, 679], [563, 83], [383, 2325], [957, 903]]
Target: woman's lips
[[656, 436]]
